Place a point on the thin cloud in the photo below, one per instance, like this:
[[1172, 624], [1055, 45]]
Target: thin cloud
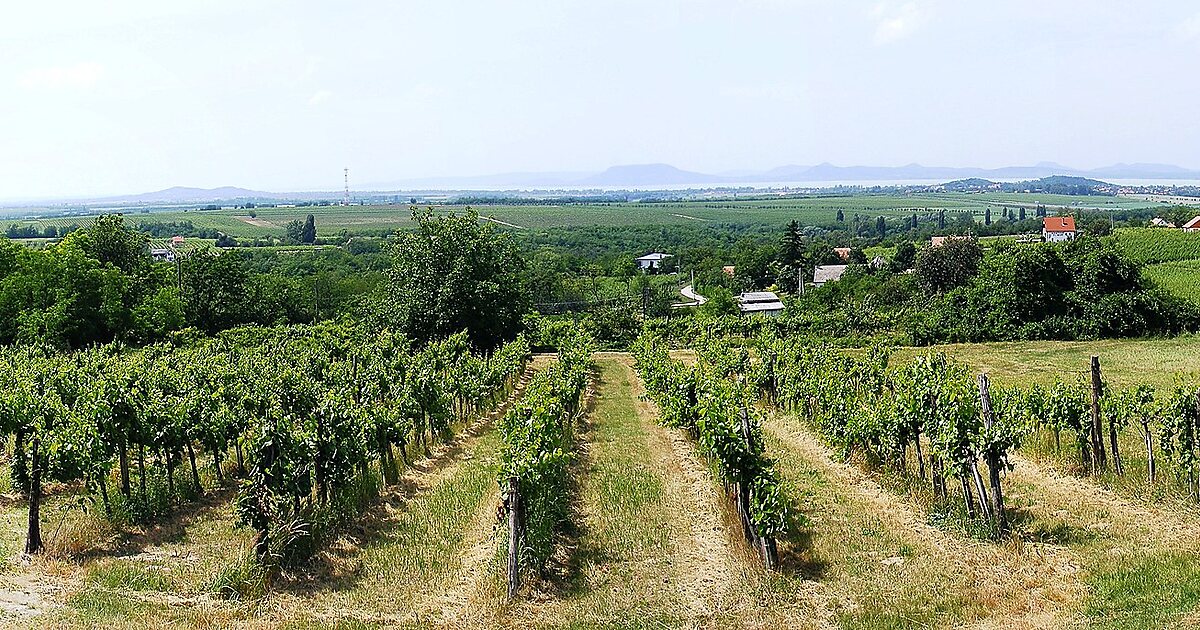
[[79, 76], [320, 98], [895, 21], [1189, 28]]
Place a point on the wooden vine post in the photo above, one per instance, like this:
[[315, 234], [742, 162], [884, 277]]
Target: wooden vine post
[[1149, 437], [765, 546], [33, 537], [1096, 435], [993, 458], [516, 535]]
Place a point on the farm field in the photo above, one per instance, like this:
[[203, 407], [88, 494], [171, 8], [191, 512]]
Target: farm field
[[1125, 362], [653, 541], [333, 220], [1155, 245], [1180, 277]]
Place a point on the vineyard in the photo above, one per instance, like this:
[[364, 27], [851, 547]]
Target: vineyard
[[320, 477], [1156, 245]]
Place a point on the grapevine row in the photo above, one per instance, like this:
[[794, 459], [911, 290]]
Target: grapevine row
[[310, 412], [716, 408], [538, 448]]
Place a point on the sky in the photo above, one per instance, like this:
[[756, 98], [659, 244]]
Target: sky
[[138, 95]]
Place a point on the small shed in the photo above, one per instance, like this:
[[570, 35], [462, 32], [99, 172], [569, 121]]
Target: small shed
[[760, 302], [652, 261], [828, 273]]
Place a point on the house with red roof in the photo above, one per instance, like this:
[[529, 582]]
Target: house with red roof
[[1058, 229], [1192, 226]]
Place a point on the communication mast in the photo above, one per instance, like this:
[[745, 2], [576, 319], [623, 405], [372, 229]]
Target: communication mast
[[346, 195]]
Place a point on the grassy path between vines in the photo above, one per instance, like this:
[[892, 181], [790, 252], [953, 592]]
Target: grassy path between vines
[[651, 549], [1141, 562], [882, 566]]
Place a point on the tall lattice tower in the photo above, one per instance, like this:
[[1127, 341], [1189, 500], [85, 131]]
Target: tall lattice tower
[[346, 194]]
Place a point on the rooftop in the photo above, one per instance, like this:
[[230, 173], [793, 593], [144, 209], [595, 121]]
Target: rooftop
[[761, 307], [758, 296], [828, 273], [1058, 224], [654, 256]]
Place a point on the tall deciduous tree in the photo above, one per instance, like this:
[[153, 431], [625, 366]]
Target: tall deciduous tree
[[951, 265], [454, 273]]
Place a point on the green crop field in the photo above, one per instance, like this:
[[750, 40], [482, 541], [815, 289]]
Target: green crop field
[[1179, 277], [1056, 201], [810, 210], [1154, 245]]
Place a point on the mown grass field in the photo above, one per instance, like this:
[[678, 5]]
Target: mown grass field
[[812, 210], [1124, 362]]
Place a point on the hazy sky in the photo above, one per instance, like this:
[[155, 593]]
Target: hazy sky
[[129, 96]]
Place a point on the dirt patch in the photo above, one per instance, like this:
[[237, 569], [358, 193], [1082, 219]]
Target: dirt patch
[[25, 597], [256, 222]]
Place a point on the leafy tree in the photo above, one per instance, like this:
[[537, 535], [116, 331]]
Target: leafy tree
[[110, 241], [905, 257], [720, 302], [294, 232], [881, 227], [987, 216], [454, 273], [951, 265], [841, 217], [215, 291]]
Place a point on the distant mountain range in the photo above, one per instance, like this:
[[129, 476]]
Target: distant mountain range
[[657, 175], [649, 176]]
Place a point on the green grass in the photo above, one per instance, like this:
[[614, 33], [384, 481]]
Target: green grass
[[129, 575], [619, 573], [1136, 590], [417, 549], [845, 542], [1123, 362]]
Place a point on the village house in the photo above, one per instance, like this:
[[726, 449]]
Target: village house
[[828, 273], [760, 303], [1192, 226], [652, 261], [1058, 229]]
